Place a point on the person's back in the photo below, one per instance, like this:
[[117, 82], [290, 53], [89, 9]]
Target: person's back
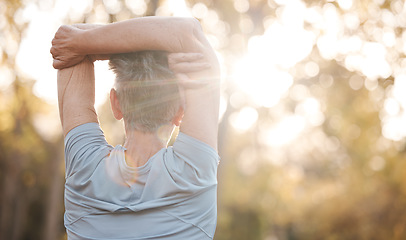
[[171, 196], [143, 189]]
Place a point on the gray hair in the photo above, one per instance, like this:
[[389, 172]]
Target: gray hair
[[146, 89]]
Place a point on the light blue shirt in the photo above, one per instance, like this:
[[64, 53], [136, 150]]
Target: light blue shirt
[[173, 196]]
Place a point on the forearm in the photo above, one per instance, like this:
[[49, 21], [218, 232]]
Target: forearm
[[148, 33], [170, 34], [76, 95], [201, 110], [202, 113]]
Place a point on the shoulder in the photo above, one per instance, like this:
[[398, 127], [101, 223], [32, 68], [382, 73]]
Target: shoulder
[[200, 156], [87, 131], [85, 147]]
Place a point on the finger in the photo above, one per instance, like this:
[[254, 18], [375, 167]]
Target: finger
[[187, 67], [193, 84], [53, 52], [186, 82], [57, 64], [184, 57]]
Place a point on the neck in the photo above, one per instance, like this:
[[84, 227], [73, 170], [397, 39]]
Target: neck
[[142, 146]]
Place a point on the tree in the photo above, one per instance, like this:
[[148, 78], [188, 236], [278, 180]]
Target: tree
[[309, 143]]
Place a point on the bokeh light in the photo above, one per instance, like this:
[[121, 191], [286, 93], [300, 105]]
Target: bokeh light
[[312, 108]]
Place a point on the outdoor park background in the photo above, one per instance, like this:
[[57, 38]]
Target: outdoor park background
[[313, 121]]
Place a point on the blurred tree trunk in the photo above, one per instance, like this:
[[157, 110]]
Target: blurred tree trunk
[[55, 197], [20, 216], [10, 190], [11, 159], [11, 214]]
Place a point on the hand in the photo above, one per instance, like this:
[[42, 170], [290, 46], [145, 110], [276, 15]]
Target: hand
[[183, 63], [63, 48], [87, 26]]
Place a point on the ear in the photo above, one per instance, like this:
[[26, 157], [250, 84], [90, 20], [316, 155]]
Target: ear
[[115, 105], [177, 119]]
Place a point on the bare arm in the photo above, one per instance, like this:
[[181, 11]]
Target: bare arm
[[76, 95], [202, 104], [169, 34], [153, 33]]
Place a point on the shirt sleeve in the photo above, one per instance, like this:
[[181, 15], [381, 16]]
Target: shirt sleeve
[[202, 158], [85, 147]]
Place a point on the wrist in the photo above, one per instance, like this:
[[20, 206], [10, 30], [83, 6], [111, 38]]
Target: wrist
[[81, 42], [84, 38]]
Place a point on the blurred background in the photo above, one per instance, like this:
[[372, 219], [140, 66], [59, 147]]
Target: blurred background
[[312, 128]]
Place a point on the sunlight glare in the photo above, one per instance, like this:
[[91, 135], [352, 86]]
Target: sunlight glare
[[6, 78], [394, 128], [283, 132], [332, 29], [310, 109], [326, 80], [345, 4], [75, 9], [298, 92], [138, 7], [356, 82], [312, 69], [351, 20], [199, 10], [262, 73], [246, 25], [112, 6], [223, 107], [177, 8], [34, 59], [105, 81], [48, 125], [241, 6], [391, 107], [244, 119], [399, 89], [264, 84], [374, 64], [394, 116], [280, 45]]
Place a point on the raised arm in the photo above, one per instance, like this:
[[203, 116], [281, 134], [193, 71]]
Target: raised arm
[[174, 35], [148, 33], [76, 95], [201, 92]]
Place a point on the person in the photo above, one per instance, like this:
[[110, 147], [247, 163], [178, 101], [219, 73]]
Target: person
[[167, 75]]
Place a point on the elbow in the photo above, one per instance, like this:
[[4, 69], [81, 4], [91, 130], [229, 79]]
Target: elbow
[[188, 22], [189, 26], [191, 33], [195, 26], [183, 33]]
